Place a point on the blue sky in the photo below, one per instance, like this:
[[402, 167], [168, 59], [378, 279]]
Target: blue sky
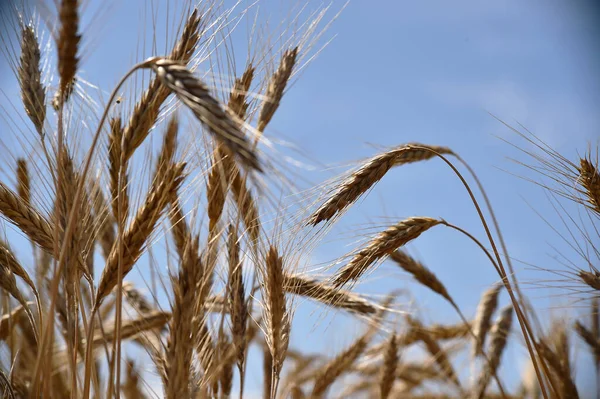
[[425, 71]]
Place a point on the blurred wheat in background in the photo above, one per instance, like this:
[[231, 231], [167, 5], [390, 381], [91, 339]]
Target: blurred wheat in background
[[184, 183]]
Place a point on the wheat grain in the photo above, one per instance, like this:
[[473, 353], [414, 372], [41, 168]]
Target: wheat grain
[[33, 92], [483, 317]]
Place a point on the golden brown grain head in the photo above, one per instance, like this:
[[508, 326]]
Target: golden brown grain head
[[238, 309], [390, 364], [589, 338], [237, 99], [276, 87], [23, 180], [498, 339], [384, 244], [192, 92], [33, 92], [483, 317], [592, 279], [68, 44], [589, 178], [360, 181]]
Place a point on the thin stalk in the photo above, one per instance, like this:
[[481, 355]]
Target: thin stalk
[[523, 323]]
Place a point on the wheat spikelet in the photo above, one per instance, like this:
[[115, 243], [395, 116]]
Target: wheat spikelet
[[238, 309], [9, 284], [382, 245], [33, 93], [498, 338], [560, 372], [589, 338], [146, 111], [421, 273], [589, 278], [246, 205], [390, 363], [26, 218], [167, 151], [237, 98], [195, 95], [483, 317], [68, 42], [116, 164], [142, 226], [370, 173], [589, 178], [23, 180], [340, 364], [321, 292], [130, 328], [10, 261], [276, 87], [433, 347], [275, 313], [226, 377]]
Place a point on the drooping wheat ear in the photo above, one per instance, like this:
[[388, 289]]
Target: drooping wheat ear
[[421, 273], [68, 42], [179, 348], [588, 337], [390, 363], [370, 173], [131, 388], [328, 295], [140, 230], [483, 317], [9, 321], [277, 321], [26, 218], [589, 278], [342, 363], [115, 158], [33, 93], [439, 355], [589, 178], [561, 373], [498, 339], [276, 87], [224, 126], [23, 181], [146, 111], [238, 309], [383, 245]]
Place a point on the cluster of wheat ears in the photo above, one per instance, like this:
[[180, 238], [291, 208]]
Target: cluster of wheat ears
[[70, 320]]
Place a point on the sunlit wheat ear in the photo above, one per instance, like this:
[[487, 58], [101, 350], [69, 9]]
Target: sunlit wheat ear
[[212, 114], [328, 295], [115, 157], [8, 259], [589, 278], [483, 317], [437, 352], [146, 111], [33, 93], [140, 230], [390, 364], [383, 245], [238, 104], [68, 43], [341, 364], [421, 273], [276, 87], [23, 181], [498, 339], [588, 337], [276, 316], [25, 217], [238, 309], [9, 284], [368, 174], [589, 178], [131, 327]]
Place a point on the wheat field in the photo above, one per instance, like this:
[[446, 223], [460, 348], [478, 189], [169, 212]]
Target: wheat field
[[156, 240]]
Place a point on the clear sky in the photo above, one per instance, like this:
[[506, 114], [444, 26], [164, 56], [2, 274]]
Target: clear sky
[[425, 71]]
